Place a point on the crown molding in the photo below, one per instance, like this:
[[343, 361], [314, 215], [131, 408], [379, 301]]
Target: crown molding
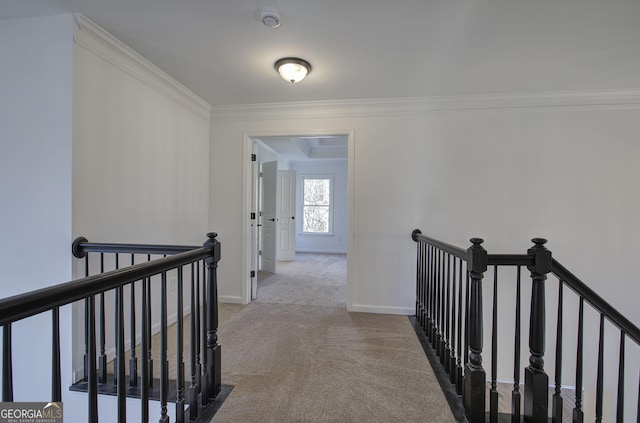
[[92, 37], [610, 99]]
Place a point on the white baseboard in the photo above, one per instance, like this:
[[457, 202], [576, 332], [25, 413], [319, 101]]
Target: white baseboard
[[365, 308], [308, 250], [230, 299]]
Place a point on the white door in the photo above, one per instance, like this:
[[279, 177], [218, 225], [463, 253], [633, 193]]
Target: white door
[[269, 215], [286, 215]]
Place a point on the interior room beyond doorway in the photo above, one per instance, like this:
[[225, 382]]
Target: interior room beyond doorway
[[301, 219]]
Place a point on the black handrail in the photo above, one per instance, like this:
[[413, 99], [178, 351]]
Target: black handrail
[[206, 383], [81, 246], [596, 301], [458, 252], [433, 299], [31, 303]]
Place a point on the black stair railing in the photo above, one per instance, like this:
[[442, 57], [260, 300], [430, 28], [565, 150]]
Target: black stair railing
[[148, 275], [449, 308]]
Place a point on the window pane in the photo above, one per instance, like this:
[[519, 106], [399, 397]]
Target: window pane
[[316, 192], [316, 205], [316, 219]]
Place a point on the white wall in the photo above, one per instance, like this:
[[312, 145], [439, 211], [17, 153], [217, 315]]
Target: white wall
[[505, 174], [35, 184], [502, 168], [336, 242], [140, 161]]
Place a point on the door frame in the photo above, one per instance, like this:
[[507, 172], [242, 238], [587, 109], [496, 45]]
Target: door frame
[[247, 150]]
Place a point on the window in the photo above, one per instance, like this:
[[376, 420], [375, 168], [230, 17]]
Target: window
[[316, 204]]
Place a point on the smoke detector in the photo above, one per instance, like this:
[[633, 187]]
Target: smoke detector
[[270, 17]]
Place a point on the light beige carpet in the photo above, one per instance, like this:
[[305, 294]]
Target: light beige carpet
[[297, 355], [293, 363], [312, 279]]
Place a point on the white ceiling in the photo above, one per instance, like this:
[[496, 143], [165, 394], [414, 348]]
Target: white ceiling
[[373, 48]]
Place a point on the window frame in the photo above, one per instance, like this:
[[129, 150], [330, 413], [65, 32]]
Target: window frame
[[302, 205]]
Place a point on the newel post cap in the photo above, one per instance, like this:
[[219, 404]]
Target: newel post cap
[[477, 256], [214, 244], [542, 261]]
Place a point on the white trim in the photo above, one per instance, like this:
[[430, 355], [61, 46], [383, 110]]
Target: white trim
[[95, 39], [365, 308], [617, 99], [230, 299], [246, 204], [245, 256], [310, 250], [351, 213]]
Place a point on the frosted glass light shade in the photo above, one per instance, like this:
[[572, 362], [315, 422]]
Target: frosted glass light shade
[[292, 69]]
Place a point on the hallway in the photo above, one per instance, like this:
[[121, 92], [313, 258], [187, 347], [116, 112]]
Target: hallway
[[294, 363], [311, 279], [296, 355]]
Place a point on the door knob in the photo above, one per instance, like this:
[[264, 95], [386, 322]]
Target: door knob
[[272, 219]]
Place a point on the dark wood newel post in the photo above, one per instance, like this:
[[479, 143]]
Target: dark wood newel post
[[474, 374], [536, 381], [213, 348]]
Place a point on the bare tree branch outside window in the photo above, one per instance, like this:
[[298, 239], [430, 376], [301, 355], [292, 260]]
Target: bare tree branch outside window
[[315, 208]]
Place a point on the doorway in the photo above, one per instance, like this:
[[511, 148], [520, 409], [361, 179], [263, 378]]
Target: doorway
[[297, 157]]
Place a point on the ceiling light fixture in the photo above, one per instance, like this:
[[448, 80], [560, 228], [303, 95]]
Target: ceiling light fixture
[[292, 69]]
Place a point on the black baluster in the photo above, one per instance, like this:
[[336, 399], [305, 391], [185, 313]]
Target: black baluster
[[194, 407], [145, 351], [179, 351], [557, 396], [446, 285], [493, 393], [56, 383], [7, 364], [431, 306], [204, 378], [475, 376], [198, 330], [164, 364], [424, 316], [515, 394], [600, 377], [440, 305], [213, 348], [441, 299], [116, 358], [102, 360], [92, 385], [121, 384], [620, 405], [434, 298], [133, 360], [418, 309], [436, 302], [459, 342], [536, 381], [147, 310], [85, 360], [578, 414], [452, 357]]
